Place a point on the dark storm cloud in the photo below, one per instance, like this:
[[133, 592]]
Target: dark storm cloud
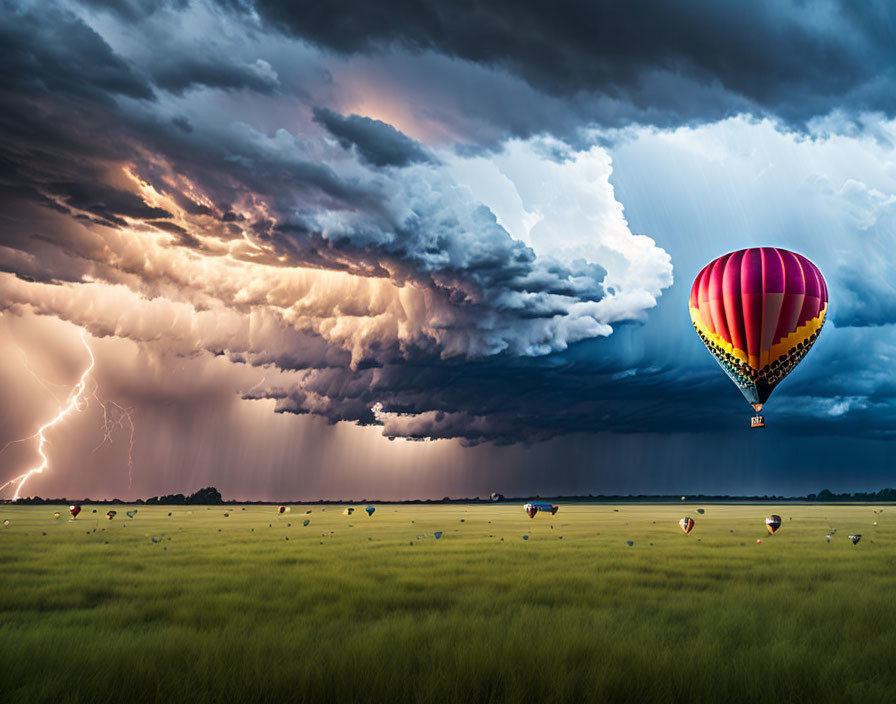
[[122, 149], [377, 143], [466, 331], [867, 301], [508, 400], [794, 60], [136, 9], [105, 201], [49, 50], [213, 72]]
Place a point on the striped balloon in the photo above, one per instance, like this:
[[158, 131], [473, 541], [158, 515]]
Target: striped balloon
[[758, 311]]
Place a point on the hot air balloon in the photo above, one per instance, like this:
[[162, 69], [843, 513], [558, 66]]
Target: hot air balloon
[[74, 509], [701, 511], [348, 512], [687, 524], [370, 510], [773, 523], [533, 508], [496, 497], [131, 514], [56, 515], [111, 514], [758, 311], [856, 538], [282, 509], [630, 543], [437, 534], [306, 522]]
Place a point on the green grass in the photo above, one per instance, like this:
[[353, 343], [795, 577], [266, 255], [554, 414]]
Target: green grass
[[224, 609]]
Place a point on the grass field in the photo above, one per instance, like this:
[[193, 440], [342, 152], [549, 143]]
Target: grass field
[[202, 607]]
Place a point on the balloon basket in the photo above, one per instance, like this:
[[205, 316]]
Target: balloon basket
[[757, 422]]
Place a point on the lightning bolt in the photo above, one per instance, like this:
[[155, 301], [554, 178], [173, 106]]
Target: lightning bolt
[[114, 415], [117, 417]]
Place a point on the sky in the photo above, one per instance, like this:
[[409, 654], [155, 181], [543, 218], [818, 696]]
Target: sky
[[419, 249]]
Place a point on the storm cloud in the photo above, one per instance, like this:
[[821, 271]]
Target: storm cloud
[[792, 60], [436, 224]]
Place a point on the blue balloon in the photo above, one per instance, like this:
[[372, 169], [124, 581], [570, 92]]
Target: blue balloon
[[370, 510], [630, 543], [438, 534]]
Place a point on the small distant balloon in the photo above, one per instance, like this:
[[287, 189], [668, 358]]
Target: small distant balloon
[[111, 514], [827, 538], [6, 523], [75, 509], [758, 541], [438, 534], [856, 538], [773, 522], [348, 512], [875, 523], [684, 498], [56, 515], [686, 524], [306, 522], [282, 509], [700, 511], [630, 543], [226, 515], [495, 497], [131, 514], [532, 509], [370, 510], [525, 537]]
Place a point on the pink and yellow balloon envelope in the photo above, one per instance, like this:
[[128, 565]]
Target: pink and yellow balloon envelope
[[758, 311]]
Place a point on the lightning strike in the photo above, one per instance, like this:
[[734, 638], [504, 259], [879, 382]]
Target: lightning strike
[[114, 416]]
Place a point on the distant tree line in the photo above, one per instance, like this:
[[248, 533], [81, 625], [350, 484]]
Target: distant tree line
[[207, 496], [211, 496], [882, 495]]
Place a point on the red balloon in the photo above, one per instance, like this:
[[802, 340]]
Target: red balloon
[[282, 509], [75, 510], [759, 311]]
